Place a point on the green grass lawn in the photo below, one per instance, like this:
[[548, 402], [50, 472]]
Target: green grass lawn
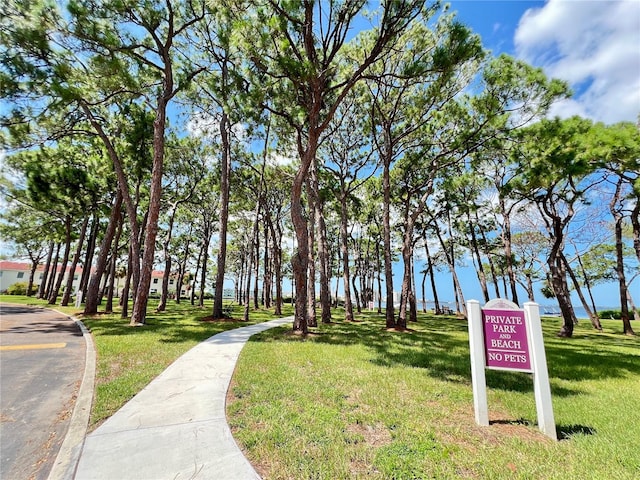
[[356, 401], [353, 400], [128, 358]]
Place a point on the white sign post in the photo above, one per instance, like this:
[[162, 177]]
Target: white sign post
[[476, 346], [541, 387], [78, 299], [504, 337]]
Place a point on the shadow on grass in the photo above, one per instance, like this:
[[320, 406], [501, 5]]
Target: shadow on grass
[[440, 346], [183, 323], [566, 432]]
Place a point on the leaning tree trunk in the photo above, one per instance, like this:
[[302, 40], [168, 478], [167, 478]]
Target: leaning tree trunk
[[203, 272], [593, 318], [587, 284], [123, 190], [635, 224], [88, 259], [300, 258], [45, 274], [256, 271], [91, 301], [634, 309], [254, 253], [356, 293], [53, 295], [139, 311], [277, 266], [267, 279], [192, 294], [182, 268], [32, 275], [162, 306], [124, 295], [424, 290], [53, 271], [506, 241], [74, 262], [407, 252], [379, 278], [561, 290], [482, 277], [432, 278], [112, 271]]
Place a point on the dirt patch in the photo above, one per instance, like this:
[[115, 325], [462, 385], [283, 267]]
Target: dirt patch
[[461, 429], [374, 435]]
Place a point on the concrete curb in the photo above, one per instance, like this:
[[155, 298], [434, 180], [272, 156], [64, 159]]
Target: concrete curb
[[68, 457], [198, 430]]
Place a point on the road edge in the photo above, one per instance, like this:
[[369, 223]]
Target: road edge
[[66, 462]]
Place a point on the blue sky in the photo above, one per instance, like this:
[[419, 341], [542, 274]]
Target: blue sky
[[594, 45]]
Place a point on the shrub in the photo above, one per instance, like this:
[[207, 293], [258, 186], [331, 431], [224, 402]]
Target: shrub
[[19, 288], [610, 314]]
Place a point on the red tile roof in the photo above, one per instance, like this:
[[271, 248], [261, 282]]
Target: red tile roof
[[26, 267]]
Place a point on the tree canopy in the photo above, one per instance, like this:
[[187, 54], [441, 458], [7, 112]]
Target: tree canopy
[[296, 147]]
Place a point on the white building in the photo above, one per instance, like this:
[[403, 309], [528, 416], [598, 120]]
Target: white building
[[15, 272]]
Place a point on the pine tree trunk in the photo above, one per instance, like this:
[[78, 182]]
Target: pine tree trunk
[[322, 249], [45, 273], [344, 248], [203, 271], [595, 321], [112, 270], [88, 259], [506, 240], [386, 226], [74, 263], [53, 296], [139, 311], [482, 277], [436, 307], [91, 300], [124, 296], [53, 272], [225, 165]]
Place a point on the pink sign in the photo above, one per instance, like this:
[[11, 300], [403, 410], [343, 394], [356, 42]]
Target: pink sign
[[505, 340]]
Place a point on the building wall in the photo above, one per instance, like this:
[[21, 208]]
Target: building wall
[[14, 272], [18, 272]]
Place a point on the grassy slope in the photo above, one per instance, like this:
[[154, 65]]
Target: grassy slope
[[128, 358], [356, 401]]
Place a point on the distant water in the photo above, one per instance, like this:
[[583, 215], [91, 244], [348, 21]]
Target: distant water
[[581, 313], [545, 310]]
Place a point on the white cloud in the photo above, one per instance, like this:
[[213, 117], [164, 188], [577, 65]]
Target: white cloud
[[208, 126], [203, 125], [593, 45], [278, 159]]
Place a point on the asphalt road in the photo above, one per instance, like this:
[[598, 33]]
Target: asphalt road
[[42, 357]]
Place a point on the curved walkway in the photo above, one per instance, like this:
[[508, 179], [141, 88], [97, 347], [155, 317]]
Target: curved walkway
[[176, 427]]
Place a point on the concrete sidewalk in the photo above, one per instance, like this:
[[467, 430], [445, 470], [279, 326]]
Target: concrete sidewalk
[[176, 428]]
